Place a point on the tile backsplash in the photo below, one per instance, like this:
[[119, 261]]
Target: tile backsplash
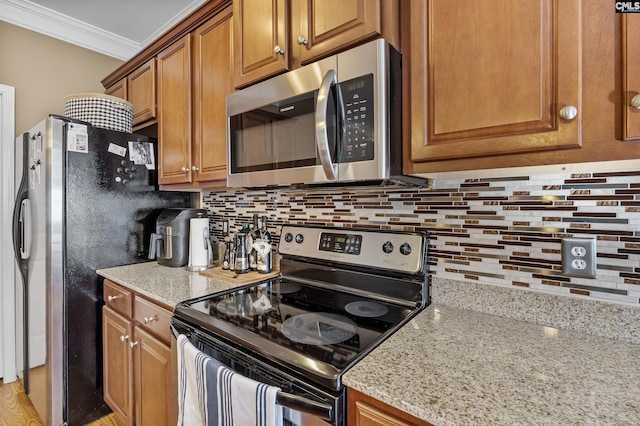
[[503, 232]]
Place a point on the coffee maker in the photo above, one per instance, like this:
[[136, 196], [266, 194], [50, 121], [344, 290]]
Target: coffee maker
[[170, 243]]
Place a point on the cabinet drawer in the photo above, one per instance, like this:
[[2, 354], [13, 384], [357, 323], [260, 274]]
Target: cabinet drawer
[[117, 298], [153, 317]]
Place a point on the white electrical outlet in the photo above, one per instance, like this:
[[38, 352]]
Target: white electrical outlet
[[579, 257]]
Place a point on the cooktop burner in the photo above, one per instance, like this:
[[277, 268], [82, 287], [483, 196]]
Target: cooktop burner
[[319, 328], [366, 308], [284, 287]]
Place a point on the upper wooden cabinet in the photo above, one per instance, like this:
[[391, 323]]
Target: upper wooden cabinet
[[485, 89], [141, 92], [118, 89], [194, 78], [260, 38], [212, 82], [322, 30], [174, 117], [492, 78], [138, 88], [276, 36], [631, 76]]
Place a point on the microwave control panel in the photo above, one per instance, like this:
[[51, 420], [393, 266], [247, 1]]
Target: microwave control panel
[[358, 142]]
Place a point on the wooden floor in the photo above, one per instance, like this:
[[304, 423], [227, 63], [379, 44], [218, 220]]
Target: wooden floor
[[16, 408]]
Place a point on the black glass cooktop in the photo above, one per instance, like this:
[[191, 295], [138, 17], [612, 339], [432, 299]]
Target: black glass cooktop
[[294, 323]]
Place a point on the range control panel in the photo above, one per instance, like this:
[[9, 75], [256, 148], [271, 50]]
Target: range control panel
[[340, 243], [399, 251]]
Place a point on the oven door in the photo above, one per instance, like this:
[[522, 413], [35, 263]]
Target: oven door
[[303, 404], [284, 131]]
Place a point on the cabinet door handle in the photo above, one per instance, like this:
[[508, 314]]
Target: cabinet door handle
[[568, 113], [112, 298], [278, 50], [149, 320], [635, 101], [185, 170], [301, 40], [195, 169], [124, 338], [133, 344]]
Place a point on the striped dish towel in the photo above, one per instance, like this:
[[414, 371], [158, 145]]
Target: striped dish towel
[[211, 394]]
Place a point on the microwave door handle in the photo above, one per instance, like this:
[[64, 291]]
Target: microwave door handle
[[322, 138]]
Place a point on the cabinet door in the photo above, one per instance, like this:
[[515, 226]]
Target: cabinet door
[[631, 75], [119, 89], [213, 81], [174, 112], [117, 364], [152, 360], [261, 47], [363, 410], [490, 78], [142, 92], [322, 30]]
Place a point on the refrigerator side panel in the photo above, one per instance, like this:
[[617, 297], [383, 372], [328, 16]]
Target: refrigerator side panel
[[107, 219], [56, 230]]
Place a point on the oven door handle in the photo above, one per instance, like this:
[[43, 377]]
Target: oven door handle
[[294, 402], [298, 403]]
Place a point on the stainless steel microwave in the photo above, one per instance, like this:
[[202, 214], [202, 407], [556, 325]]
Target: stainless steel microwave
[[334, 121]]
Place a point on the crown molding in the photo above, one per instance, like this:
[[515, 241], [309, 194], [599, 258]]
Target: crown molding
[[40, 19], [177, 18]]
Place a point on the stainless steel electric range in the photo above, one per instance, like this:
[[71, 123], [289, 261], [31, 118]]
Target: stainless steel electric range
[[341, 293]]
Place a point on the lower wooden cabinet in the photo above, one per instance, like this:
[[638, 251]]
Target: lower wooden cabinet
[[117, 364], [363, 410], [138, 373], [152, 373]]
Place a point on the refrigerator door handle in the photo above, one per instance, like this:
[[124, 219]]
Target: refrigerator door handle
[[22, 231], [24, 223]]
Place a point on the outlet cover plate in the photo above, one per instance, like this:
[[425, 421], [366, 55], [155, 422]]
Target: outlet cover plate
[[581, 266]]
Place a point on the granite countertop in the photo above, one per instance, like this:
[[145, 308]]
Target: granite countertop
[[164, 284], [451, 366]]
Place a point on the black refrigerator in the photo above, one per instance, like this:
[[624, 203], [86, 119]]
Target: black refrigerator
[[86, 199]]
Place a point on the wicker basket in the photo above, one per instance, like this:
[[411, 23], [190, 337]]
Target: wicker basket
[[100, 110]]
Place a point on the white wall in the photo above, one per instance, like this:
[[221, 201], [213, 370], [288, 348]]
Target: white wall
[[7, 268]]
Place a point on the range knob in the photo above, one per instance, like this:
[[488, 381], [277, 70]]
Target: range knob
[[288, 237], [387, 247], [299, 238], [405, 249]]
